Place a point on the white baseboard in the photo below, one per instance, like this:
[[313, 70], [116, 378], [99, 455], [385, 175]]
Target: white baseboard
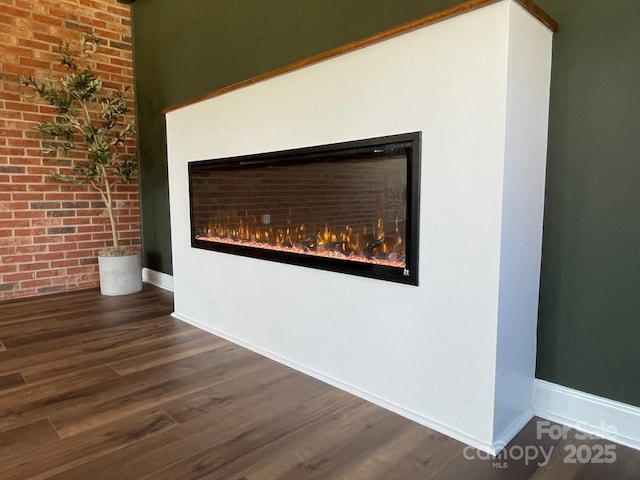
[[158, 279], [510, 432], [492, 449], [588, 413]]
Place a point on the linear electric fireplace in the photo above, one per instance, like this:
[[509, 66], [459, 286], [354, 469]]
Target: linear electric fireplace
[[348, 207]]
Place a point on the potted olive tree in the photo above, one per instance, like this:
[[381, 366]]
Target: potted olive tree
[[89, 125]]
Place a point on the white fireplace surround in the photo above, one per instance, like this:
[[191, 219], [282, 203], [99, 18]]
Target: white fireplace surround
[[456, 353]]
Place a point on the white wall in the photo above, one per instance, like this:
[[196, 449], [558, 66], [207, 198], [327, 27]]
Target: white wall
[[428, 352], [529, 73]]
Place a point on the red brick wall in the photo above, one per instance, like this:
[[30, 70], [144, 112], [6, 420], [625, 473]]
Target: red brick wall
[[50, 233]]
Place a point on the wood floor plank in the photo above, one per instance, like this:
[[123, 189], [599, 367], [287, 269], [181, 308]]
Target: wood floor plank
[[131, 330], [71, 304], [267, 380], [306, 448], [13, 334], [72, 421], [50, 388], [25, 438], [121, 390], [313, 449], [383, 456], [64, 401], [69, 452], [23, 355], [425, 459], [33, 308], [201, 431], [72, 319], [11, 381], [344, 453], [161, 356], [30, 332], [228, 455], [98, 352]]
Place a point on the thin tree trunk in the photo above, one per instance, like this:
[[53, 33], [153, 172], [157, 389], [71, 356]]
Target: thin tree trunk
[[112, 220]]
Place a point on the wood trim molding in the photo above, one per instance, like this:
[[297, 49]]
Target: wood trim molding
[[436, 17], [540, 14]]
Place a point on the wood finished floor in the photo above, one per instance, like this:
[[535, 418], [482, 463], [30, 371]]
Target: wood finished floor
[[96, 387]]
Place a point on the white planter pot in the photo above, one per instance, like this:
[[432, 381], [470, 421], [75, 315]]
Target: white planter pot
[[120, 275]]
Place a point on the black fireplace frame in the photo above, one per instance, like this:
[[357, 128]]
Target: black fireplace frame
[[410, 142]]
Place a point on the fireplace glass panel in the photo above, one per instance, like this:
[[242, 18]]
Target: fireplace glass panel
[[343, 206]]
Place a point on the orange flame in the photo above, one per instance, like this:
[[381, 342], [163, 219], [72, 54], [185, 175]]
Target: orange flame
[[376, 247]]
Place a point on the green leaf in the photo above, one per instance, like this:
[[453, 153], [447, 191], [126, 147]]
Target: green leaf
[[64, 178]]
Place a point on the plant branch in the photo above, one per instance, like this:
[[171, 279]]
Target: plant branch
[[114, 229]]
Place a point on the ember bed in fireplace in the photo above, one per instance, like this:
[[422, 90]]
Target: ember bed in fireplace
[[349, 207]]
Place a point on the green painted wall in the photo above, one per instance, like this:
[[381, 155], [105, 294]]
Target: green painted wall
[[589, 324], [589, 320]]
